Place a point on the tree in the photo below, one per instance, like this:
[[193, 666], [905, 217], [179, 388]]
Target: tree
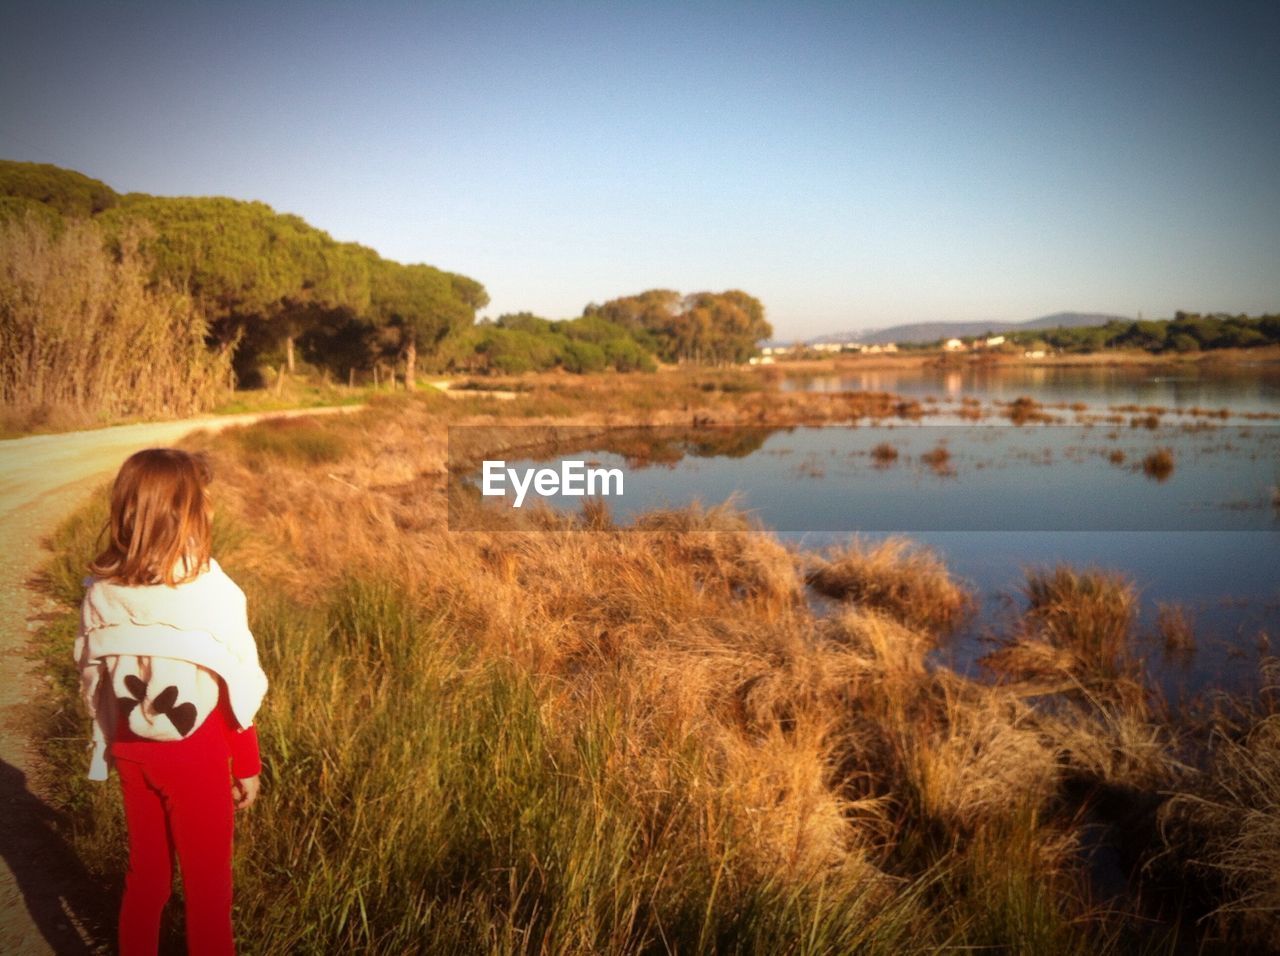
[[523, 321], [416, 305], [251, 269], [650, 311], [469, 291], [263, 280], [701, 327], [67, 192]]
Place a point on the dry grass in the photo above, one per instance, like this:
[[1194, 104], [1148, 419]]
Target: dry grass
[[939, 459], [87, 338], [1117, 743], [987, 761], [1025, 410], [304, 441], [1086, 615], [1175, 626], [1158, 464], [534, 739], [1225, 826], [905, 580], [884, 454]]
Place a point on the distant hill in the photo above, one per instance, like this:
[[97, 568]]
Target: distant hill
[[932, 331]]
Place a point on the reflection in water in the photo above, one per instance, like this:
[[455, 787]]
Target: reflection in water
[[1207, 537]]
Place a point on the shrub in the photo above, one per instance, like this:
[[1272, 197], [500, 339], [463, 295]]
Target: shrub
[[626, 355], [584, 357]]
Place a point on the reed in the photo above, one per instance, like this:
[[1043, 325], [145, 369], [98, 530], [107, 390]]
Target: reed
[[1087, 614], [1223, 827], [87, 338]]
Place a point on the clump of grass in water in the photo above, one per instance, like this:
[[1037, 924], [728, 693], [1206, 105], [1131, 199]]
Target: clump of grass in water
[[907, 581], [1158, 464], [811, 467], [1089, 614], [1024, 409], [1174, 625], [884, 454], [939, 459]]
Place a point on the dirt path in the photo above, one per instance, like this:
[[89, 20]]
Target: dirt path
[[46, 903]]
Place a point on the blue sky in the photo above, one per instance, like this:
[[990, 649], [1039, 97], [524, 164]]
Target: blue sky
[[853, 165]]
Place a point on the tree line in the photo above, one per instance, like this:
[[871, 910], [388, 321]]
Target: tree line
[[270, 289], [266, 282], [704, 327], [1185, 332]]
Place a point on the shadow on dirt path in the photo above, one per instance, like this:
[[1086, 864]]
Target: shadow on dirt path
[[67, 909]]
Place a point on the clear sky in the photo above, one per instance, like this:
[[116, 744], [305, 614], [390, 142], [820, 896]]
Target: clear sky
[[853, 165]]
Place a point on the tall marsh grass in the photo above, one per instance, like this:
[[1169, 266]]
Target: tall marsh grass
[[1089, 615], [85, 338], [895, 575], [1226, 824], [543, 741]]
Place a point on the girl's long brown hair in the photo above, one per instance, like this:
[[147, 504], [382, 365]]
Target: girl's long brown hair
[[159, 528]]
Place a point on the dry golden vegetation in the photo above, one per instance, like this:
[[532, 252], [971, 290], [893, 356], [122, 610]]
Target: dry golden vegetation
[[1226, 825], [1158, 464], [85, 339], [539, 740], [1025, 410], [1175, 627], [893, 575], [884, 454]]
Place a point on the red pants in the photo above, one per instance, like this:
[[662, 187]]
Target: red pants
[[183, 806]]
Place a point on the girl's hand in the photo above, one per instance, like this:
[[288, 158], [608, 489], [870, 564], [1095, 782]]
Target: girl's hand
[[245, 792]]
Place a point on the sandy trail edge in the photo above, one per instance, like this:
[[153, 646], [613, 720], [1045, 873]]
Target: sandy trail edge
[[46, 904]]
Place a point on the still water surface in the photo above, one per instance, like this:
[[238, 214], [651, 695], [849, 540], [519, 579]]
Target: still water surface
[[1206, 536], [1242, 388]]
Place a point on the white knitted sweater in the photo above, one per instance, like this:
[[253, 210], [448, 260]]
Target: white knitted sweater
[[158, 645]]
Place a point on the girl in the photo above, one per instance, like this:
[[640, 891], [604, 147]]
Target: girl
[[170, 674]]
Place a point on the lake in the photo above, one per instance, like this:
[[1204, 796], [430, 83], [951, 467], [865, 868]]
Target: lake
[[1000, 498], [1242, 387]]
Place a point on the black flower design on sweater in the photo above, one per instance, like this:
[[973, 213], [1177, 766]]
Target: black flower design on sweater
[[182, 716]]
